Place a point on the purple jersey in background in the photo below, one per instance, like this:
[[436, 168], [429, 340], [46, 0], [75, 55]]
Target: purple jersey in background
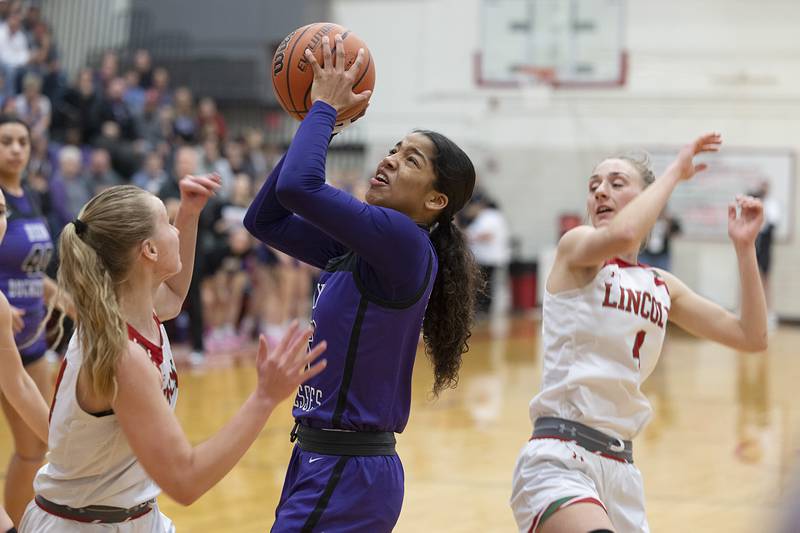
[[25, 252]]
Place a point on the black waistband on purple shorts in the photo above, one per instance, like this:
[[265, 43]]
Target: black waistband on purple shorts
[[351, 443]]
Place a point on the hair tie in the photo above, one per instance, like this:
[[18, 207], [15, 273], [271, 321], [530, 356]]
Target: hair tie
[[80, 226]]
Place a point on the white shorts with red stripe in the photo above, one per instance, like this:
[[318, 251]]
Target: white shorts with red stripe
[[550, 470], [36, 520]]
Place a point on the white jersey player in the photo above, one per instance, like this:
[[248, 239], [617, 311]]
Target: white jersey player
[[114, 440], [106, 472], [603, 325]]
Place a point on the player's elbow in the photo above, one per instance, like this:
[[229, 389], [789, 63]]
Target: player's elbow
[[624, 238], [182, 498], [182, 491], [756, 344], [250, 219], [288, 191]]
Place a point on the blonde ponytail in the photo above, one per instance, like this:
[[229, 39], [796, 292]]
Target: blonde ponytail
[[97, 252]]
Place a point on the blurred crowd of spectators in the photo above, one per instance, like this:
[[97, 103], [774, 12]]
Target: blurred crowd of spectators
[[123, 122]]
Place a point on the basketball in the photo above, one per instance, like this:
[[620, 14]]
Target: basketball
[[292, 75]]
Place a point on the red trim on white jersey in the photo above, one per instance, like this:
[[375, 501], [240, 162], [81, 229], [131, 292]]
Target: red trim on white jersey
[[622, 263], [58, 384], [155, 352]]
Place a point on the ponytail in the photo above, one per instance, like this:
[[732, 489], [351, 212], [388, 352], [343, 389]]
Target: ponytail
[[448, 318], [97, 250], [100, 326], [450, 313]]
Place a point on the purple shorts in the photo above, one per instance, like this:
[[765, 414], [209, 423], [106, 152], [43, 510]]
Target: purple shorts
[[335, 493]]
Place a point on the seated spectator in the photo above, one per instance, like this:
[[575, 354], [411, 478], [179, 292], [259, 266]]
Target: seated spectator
[[109, 70], [14, 49], [254, 140], [210, 121], [113, 108], [161, 86], [43, 61], [237, 157], [33, 107], [185, 123], [40, 161], [101, 176], [134, 95], [149, 122], [211, 161], [126, 156], [151, 177], [69, 187], [78, 107], [32, 17], [143, 65]]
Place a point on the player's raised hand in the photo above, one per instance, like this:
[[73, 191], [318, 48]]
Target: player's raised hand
[[333, 84], [196, 190], [743, 229], [282, 369], [684, 164]]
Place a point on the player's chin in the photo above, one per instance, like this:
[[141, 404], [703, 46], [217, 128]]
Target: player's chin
[[374, 197], [176, 270]]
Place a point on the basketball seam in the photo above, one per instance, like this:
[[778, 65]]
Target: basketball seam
[[289, 67]]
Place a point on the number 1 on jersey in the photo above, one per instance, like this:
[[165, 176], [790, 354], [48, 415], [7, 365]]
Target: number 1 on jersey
[[637, 344]]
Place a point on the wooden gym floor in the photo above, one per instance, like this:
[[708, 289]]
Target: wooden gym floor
[[715, 458]]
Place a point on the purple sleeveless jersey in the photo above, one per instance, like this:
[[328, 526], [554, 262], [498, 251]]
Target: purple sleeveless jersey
[[25, 252]]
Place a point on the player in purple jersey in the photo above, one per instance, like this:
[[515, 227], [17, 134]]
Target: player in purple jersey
[[15, 384], [24, 254], [392, 266]]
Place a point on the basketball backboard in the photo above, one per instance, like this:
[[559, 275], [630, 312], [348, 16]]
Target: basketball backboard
[[581, 41]]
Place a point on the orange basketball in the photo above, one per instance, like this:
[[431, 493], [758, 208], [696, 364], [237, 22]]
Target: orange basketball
[[292, 74]]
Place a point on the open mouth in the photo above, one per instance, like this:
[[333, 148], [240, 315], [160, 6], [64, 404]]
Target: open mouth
[[381, 179], [603, 209]]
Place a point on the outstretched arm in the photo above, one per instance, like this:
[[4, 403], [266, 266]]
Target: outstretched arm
[[186, 472], [15, 384], [706, 319], [586, 246]]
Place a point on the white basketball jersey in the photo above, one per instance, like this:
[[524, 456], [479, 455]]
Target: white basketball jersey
[[90, 461], [600, 342]]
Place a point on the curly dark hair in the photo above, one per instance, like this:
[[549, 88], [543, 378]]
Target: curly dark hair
[[446, 328]]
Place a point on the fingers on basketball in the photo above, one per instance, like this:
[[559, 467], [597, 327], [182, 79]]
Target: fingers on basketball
[[315, 66], [327, 56], [340, 59]]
